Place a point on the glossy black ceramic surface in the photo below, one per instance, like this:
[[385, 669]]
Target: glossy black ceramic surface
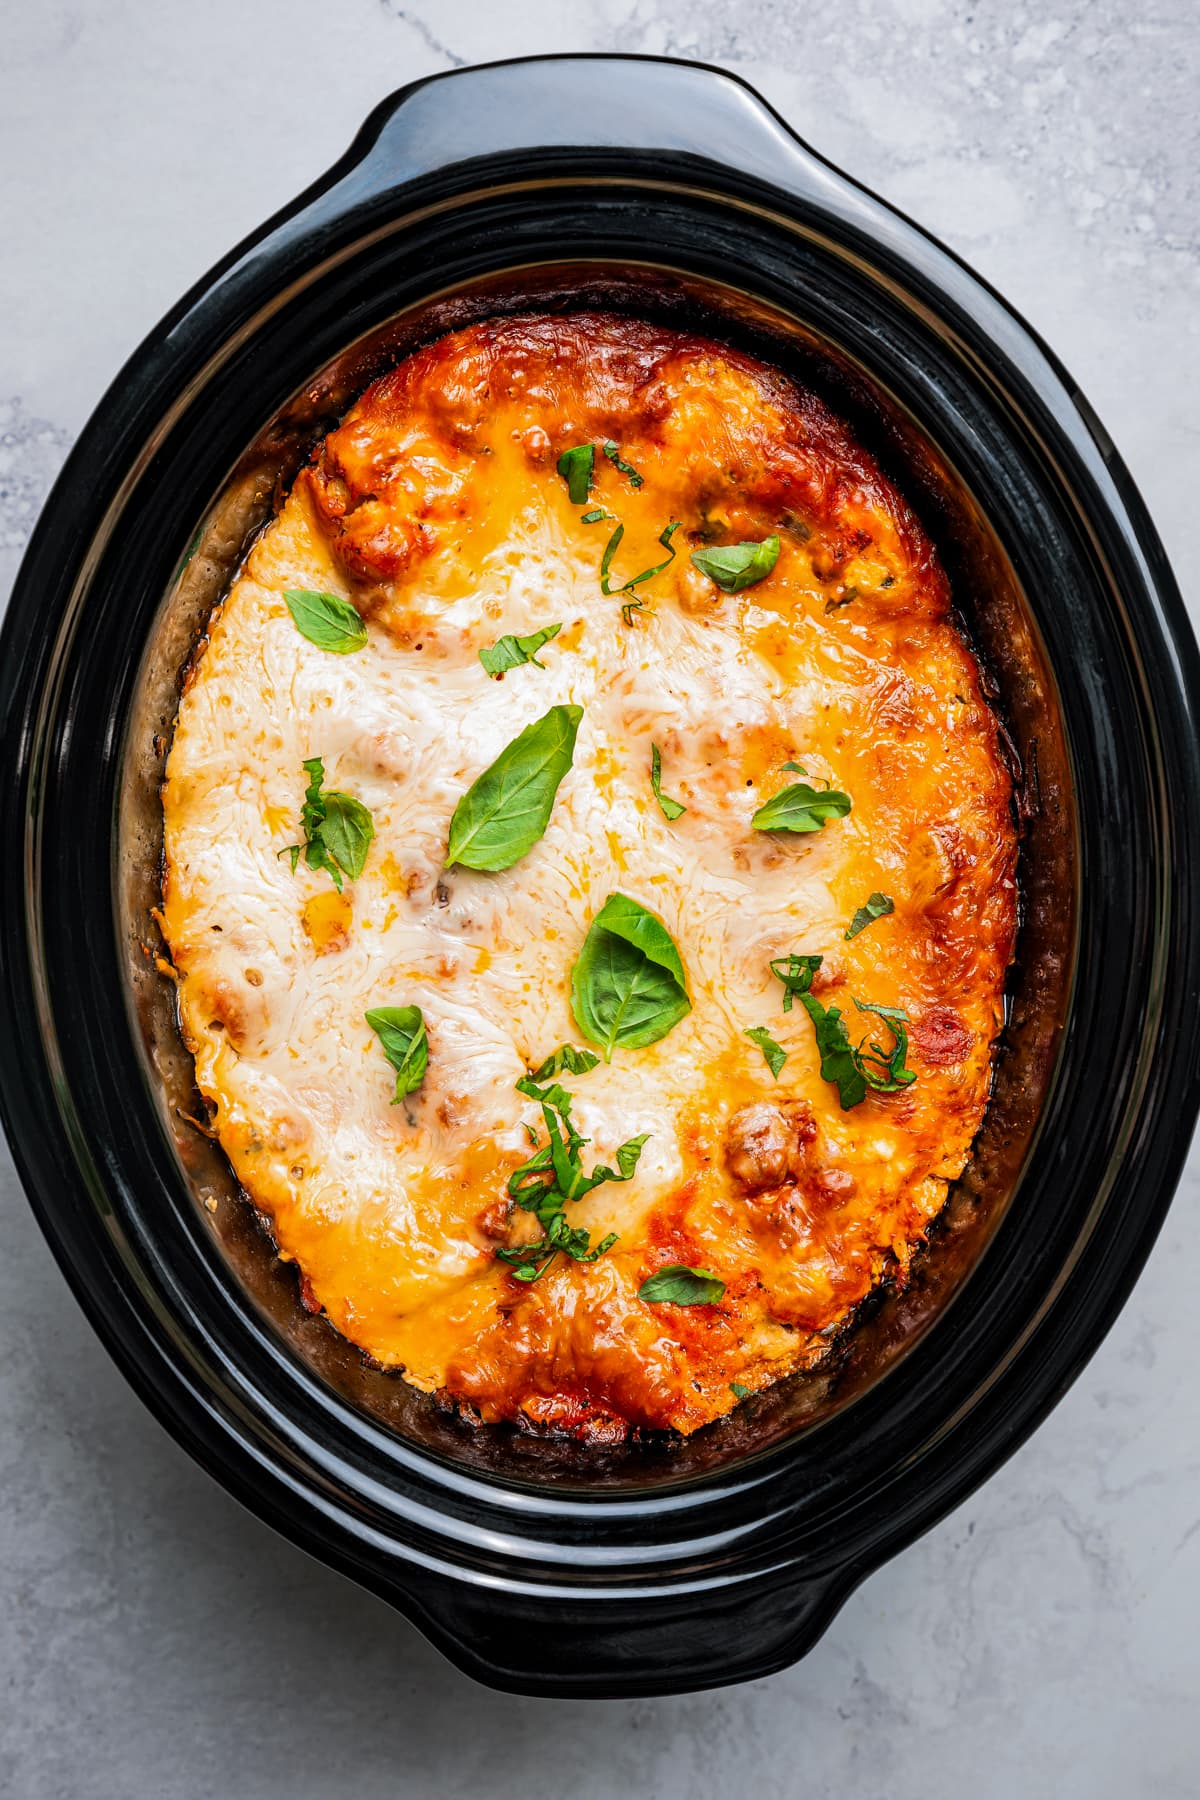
[[673, 190]]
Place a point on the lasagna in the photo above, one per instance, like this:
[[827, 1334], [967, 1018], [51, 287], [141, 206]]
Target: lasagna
[[589, 876]]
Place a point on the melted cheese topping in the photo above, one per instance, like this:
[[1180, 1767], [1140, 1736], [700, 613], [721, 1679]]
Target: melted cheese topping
[[435, 507]]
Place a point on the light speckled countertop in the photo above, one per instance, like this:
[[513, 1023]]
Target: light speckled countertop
[[154, 1639]]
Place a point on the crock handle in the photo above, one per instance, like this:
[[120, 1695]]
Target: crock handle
[[622, 104], [606, 1647]]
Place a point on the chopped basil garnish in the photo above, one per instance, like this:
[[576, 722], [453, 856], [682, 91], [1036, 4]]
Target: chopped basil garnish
[[506, 809], [682, 1286], [833, 1042], [510, 652], [575, 466], [796, 973], [738, 1391], [885, 1069], [553, 1176], [627, 469], [326, 620], [851, 1069], [561, 1154], [337, 829], [628, 987], [610, 550], [633, 606], [877, 907], [800, 807], [593, 518], [773, 1054], [737, 566], [671, 809], [529, 1261], [575, 1062], [401, 1033]]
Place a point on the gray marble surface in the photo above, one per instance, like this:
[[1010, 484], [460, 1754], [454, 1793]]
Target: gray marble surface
[[154, 1639]]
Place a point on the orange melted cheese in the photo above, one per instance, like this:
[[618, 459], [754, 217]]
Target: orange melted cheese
[[436, 508]]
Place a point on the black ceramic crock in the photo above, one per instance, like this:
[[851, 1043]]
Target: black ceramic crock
[[673, 191]]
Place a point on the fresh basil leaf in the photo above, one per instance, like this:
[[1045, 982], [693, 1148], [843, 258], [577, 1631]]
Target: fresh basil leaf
[[575, 466], [671, 809], [402, 1037], [510, 652], [348, 829], [337, 829], [801, 807], [627, 469], [326, 620], [575, 1062], [885, 1070], [737, 566], [851, 1069], [877, 907], [682, 1286], [773, 1054], [628, 986], [738, 1391], [636, 925], [795, 768], [610, 550], [506, 809]]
